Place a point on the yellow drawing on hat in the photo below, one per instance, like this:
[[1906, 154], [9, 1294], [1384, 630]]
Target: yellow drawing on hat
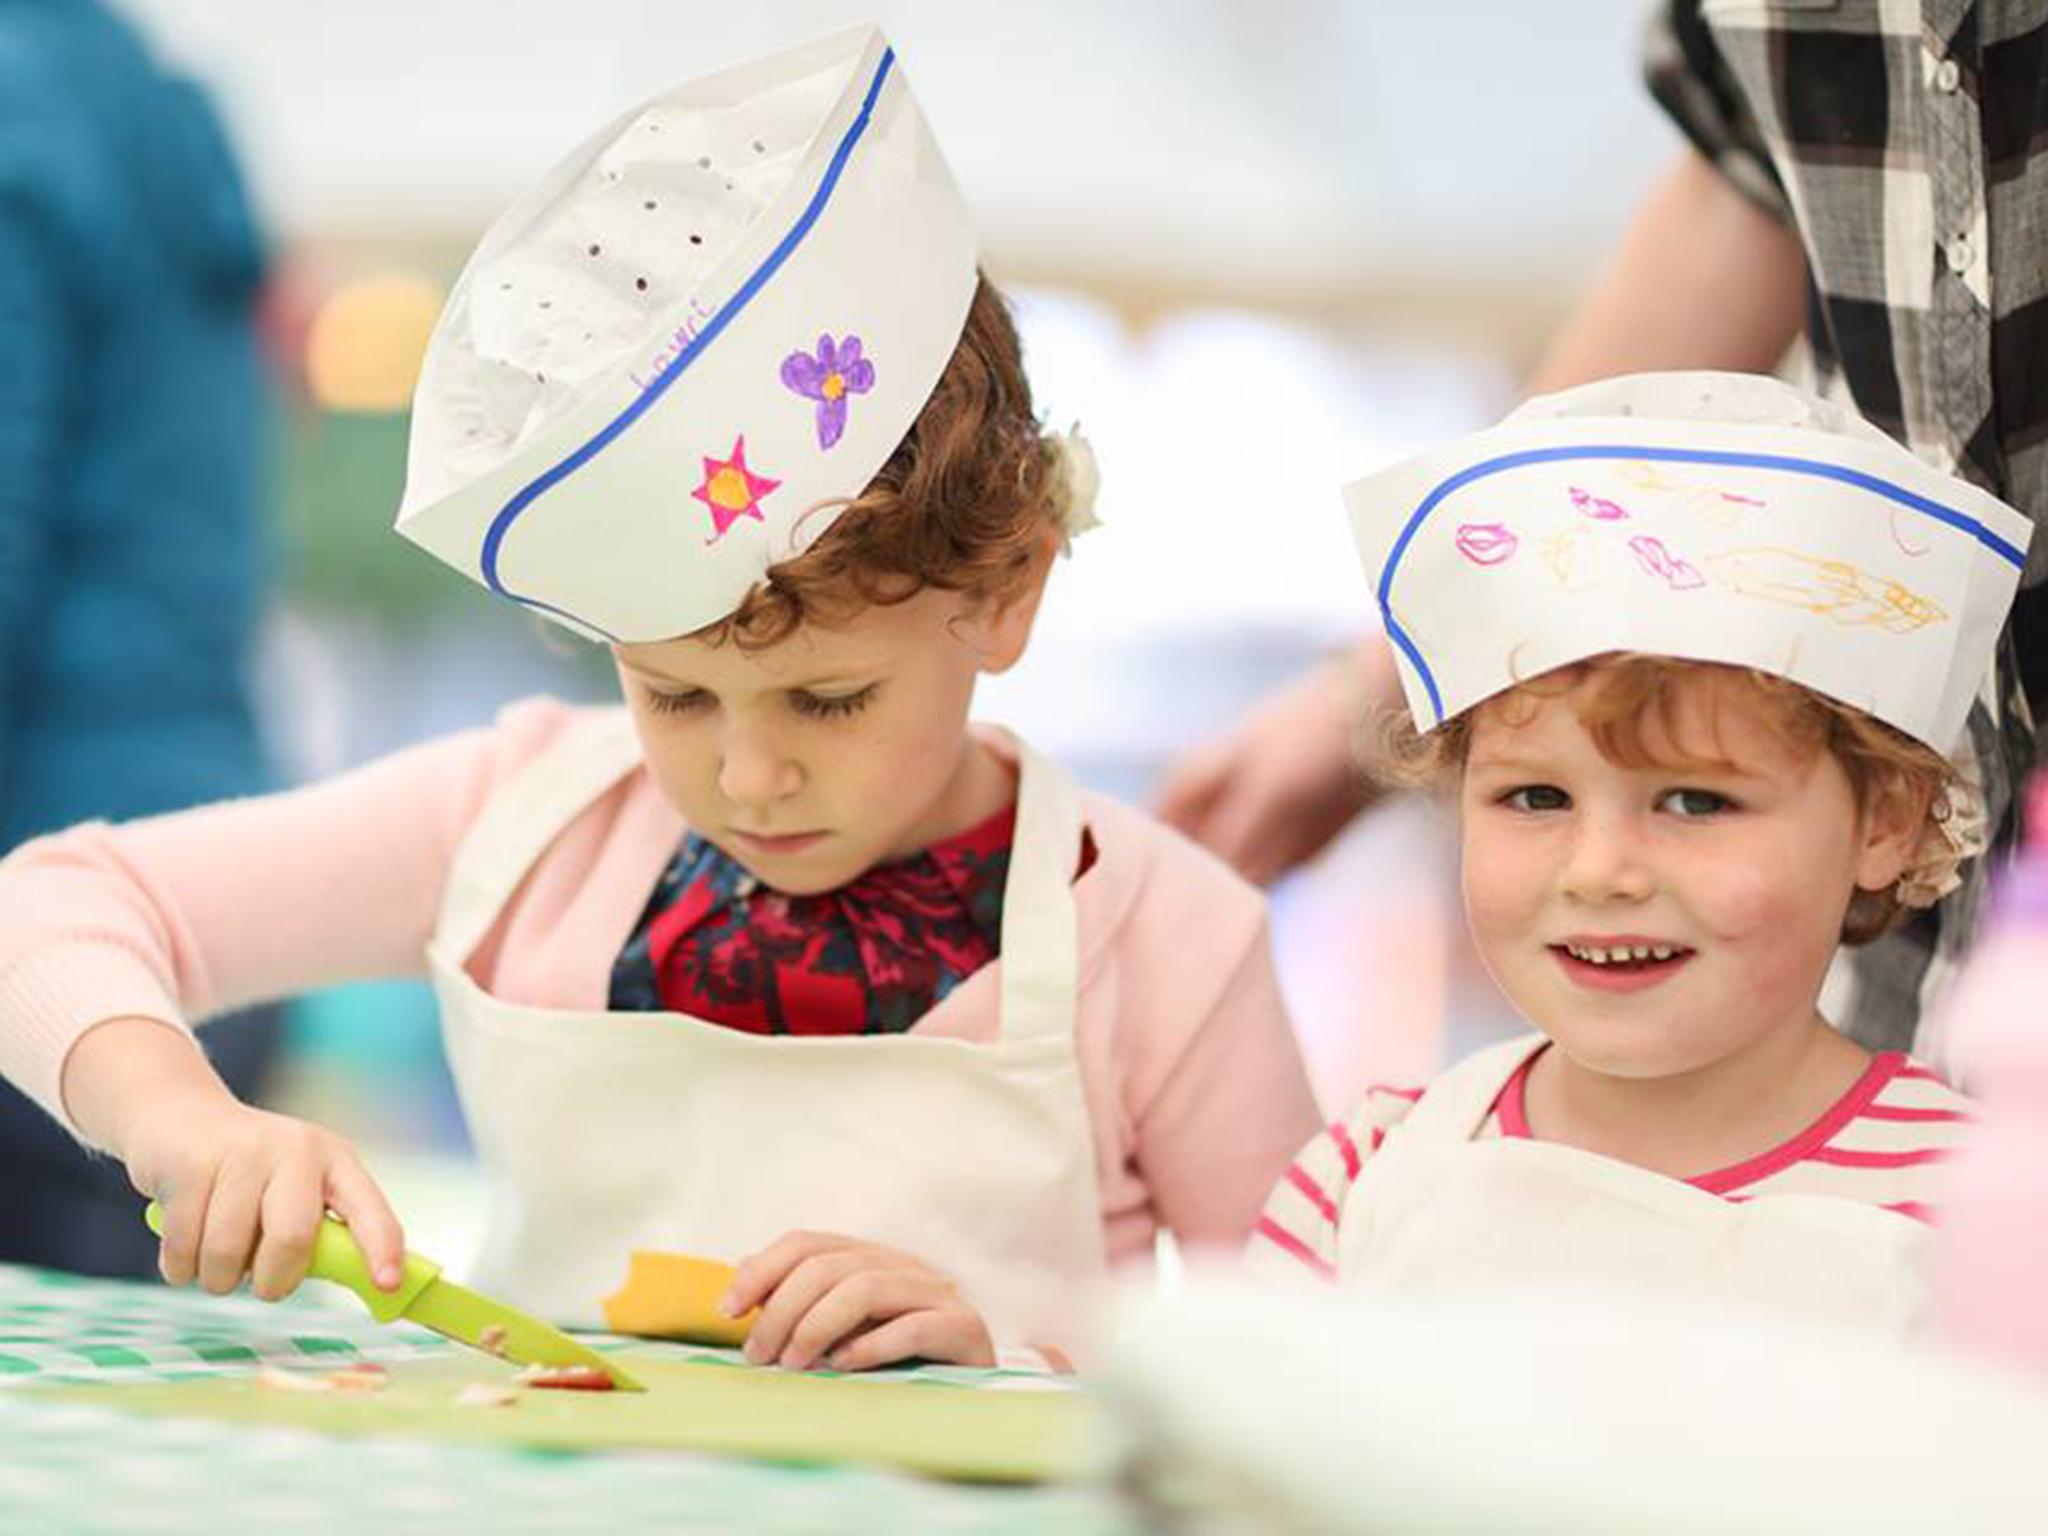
[[732, 490], [1834, 589], [1574, 559], [1713, 503]]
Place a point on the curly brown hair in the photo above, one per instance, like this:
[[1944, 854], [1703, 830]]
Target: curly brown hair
[[966, 503], [1635, 690]]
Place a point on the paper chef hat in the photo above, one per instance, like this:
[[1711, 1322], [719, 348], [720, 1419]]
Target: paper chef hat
[[1714, 516], [712, 321]]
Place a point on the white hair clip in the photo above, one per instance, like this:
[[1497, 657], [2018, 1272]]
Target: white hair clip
[[1080, 481], [1955, 834]]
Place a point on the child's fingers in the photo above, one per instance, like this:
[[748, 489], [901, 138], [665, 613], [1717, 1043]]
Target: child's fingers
[[955, 1335], [290, 1216], [358, 1201], [229, 1238], [760, 1273], [184, 1208], [860, 1299], [794, 1297]]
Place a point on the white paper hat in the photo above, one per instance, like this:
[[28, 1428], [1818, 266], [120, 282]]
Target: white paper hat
[[667, 361], [1714, 516]]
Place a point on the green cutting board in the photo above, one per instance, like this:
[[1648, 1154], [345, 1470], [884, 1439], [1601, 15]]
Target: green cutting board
[[941, 1429]]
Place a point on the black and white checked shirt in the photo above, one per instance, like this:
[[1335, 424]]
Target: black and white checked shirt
[[1907, 142]]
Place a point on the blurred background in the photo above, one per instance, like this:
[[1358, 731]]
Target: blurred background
[[1258, 249]]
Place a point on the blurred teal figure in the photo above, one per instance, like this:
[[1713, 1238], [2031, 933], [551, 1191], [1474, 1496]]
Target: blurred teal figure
[[134, 454]]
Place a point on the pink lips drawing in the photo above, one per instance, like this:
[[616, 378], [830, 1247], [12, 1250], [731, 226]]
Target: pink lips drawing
[[1487, 543], [1680, 575], [1597, 507]]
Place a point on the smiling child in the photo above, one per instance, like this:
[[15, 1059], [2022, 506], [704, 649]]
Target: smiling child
[[1687, 654]]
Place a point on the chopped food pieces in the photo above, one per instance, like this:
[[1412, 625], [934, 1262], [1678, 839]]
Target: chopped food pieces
[[492, 1340], [567, 1378], [367, 1376], [272, 1379], [562, 1378], [363, 1376], [486, 1394]]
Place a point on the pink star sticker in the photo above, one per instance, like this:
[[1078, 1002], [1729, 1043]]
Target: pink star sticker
[[731, 490]]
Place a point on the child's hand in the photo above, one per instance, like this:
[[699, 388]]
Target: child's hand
[[243, 1191], [850, 1306]]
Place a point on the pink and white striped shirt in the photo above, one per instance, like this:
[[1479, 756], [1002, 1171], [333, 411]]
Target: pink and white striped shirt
[[1882, 1143]]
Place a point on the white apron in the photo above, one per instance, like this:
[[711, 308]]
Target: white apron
[[1435, 1212], [602, 1132]]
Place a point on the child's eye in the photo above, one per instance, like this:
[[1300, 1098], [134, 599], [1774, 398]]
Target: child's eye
[[1695, 802], [1536, 797], [830, 706], [689, 702]]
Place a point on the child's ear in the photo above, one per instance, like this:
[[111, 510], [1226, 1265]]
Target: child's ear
[[1894, 815], [1002, 626]]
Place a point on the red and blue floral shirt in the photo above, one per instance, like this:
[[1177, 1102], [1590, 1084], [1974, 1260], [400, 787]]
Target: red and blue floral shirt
[[872, 957]]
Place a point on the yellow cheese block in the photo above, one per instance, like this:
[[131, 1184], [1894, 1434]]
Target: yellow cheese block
[[675, 1296]]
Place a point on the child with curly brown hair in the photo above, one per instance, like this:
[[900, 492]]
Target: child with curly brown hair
[[784, 964], [1688, 654]]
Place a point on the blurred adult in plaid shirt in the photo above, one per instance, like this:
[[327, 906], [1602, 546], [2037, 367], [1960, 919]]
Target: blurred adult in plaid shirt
[[1874, 172]]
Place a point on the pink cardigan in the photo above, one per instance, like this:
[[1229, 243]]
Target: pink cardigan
[[1194, 1083]]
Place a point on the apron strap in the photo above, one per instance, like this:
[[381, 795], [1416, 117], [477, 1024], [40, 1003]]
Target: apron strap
[[522, 817], [1449, 1113], [1040, 962], [1458, 1101]]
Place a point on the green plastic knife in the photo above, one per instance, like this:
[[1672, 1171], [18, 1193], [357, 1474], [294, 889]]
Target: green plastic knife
[[452, 1310]]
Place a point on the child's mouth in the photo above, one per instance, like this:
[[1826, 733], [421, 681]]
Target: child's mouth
[[789, 842], [1620, 966]]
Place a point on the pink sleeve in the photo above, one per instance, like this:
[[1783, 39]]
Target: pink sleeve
[[185, 916], [1299, 1227], [1235, 1105]]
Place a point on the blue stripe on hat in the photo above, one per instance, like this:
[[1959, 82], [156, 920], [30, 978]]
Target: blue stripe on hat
[[1875, 484], [501, 524]]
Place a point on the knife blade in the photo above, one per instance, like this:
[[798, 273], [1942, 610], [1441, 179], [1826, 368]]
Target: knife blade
[[451, 1310], [456, 1312]]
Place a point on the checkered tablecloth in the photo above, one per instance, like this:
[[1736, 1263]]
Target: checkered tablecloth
[[67, 1466]]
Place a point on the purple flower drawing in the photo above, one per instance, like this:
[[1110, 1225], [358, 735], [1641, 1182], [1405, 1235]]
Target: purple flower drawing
[[828, 376]]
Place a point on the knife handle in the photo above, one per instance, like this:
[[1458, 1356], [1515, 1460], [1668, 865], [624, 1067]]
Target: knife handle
[[337, 1259]]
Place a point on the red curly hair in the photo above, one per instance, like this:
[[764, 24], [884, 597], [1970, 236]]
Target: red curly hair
[[965, 503]]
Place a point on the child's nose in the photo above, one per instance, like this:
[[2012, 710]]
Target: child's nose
[[754, 771], [1607, 861]]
